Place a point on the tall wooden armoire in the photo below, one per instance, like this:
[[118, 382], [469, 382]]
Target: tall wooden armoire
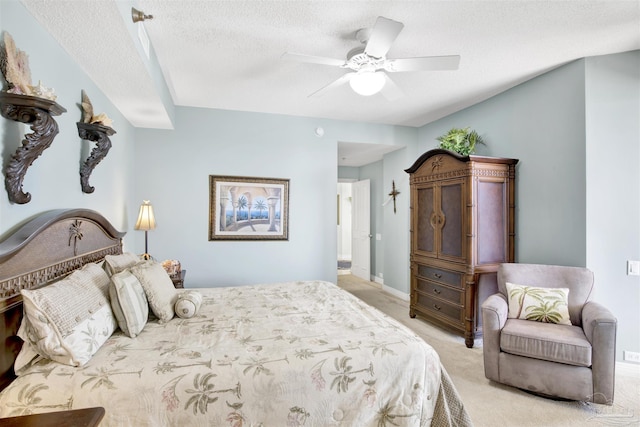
[[462, 228]]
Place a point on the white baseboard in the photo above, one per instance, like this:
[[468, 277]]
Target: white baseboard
[[378, 280], [628, 368], [396, 293]]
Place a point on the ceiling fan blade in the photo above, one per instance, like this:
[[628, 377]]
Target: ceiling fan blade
[[427, 63], [391, 91], [342, 80], [313, 59], [382, 36]]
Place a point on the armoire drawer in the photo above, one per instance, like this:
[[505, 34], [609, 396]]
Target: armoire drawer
[[452, 278], [442, 308], [435, 289]]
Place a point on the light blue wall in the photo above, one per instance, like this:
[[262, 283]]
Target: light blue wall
[[348, 173], [215, 142], [396, 225], [613, 187], [540, 122], [175, 166], [54, 178]]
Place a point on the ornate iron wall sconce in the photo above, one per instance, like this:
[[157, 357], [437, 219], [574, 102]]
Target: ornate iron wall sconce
[[100, 135], [37, 112]]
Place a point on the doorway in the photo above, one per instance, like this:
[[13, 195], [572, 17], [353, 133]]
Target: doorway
[[354, 228]]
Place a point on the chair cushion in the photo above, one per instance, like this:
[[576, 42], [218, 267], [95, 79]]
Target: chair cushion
[[546, 341]]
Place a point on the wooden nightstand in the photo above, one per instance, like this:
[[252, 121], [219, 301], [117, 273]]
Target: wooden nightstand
[[178, 279], [87, 417]]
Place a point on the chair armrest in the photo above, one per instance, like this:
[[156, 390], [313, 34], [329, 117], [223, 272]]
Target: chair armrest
[[497, 310], [600, 326], [494, 316], [596, 318]]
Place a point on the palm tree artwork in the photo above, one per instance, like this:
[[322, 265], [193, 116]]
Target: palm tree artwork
[[242, 204], [248, 208], [260, 206]]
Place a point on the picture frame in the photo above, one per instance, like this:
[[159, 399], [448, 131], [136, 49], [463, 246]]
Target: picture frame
[[248, 208]]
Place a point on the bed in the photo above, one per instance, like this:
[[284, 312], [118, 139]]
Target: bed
[[280, 354]]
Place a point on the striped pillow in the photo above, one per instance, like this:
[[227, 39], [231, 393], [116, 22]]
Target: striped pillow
[[128, 302]]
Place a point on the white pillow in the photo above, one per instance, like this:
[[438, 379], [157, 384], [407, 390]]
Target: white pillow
[[158, 288], [116, 263], [68, 320], [188, 304], [128, 302], [548, 305]]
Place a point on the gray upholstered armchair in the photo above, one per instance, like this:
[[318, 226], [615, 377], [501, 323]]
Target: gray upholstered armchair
[[575, 362]]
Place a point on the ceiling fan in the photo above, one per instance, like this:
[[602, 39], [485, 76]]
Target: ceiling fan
[[368, 63]]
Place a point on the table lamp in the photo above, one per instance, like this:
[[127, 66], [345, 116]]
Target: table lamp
[[146, 221]]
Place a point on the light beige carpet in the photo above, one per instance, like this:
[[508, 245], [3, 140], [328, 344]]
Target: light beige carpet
[[492, 404]]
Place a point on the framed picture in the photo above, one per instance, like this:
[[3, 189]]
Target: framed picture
[[246, 208]]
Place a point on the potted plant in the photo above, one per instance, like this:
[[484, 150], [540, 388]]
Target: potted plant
[[462, 141]]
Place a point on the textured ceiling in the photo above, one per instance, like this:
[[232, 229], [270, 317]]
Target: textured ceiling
[[227, 54]]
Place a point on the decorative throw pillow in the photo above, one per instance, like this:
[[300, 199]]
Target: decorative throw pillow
[[28, 354], [128, 302], [116, 263], [68, 320], [548, 305], [188, 304], [158, 288]]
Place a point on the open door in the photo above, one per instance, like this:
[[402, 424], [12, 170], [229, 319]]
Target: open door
[[361, 230]]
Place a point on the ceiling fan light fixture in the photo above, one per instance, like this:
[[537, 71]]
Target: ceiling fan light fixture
[[367, 83]]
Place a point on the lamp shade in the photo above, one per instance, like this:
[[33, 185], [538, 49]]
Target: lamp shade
[[367, 83], [146, 219]]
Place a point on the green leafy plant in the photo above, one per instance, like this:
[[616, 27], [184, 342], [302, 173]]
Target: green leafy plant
[[462, 141]]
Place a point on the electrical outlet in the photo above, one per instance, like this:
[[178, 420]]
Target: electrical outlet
[[633, 268], [631, 356]]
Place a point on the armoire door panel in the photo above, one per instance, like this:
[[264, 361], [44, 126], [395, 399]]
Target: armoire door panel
[[492, 240], [452, 221], [425, 233]]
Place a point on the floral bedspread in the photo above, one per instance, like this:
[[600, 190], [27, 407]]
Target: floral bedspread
[[287, 354]]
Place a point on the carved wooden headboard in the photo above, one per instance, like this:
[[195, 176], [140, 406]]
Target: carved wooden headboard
[[44, 249]]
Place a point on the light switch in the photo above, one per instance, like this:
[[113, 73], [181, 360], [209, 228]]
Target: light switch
[[378, 236], [633, 268]]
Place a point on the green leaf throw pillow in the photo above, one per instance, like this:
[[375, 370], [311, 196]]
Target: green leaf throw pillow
[[548, 305]]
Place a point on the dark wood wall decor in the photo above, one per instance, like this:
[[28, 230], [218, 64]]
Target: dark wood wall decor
[[37, 112], [100, 135], [462, 228]]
